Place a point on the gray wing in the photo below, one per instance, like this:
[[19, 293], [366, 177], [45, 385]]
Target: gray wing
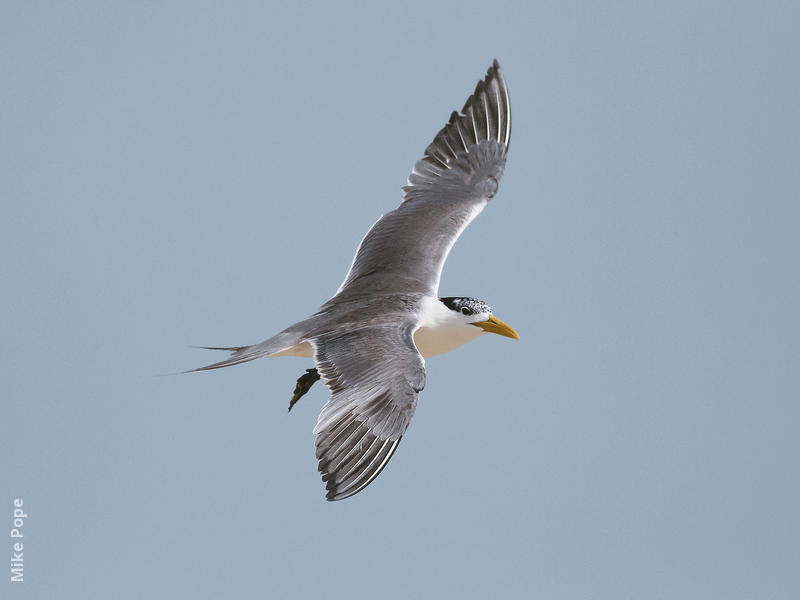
[[374, 375], [406, 249]]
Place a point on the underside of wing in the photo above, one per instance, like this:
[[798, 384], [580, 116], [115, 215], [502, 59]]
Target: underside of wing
[[374, 375], [406, 249]]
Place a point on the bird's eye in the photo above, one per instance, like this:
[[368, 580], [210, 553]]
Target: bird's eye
[[466, 311]]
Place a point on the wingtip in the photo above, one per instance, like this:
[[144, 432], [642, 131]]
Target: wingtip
[[493, 72], [485, 116]]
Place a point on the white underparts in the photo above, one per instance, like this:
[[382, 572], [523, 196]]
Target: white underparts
[[432, 341]]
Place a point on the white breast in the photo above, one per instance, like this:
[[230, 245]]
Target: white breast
[[433, 341]]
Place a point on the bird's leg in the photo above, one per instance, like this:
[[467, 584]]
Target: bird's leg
[[303, 384]]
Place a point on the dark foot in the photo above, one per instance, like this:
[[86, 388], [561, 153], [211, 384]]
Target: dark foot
[[303, 385]]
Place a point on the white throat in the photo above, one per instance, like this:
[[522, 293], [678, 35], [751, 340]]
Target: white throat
[[441, 329]]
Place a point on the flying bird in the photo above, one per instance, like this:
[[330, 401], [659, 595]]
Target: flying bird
[[370, 341]]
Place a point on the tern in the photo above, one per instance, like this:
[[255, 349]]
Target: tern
[[370, 340]]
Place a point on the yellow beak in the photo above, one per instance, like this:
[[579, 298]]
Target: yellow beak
[[495, 325]]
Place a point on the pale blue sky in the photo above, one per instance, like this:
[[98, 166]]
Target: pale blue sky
[[200, 174]]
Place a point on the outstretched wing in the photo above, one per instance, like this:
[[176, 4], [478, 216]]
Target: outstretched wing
[[374, 375], [406, 249]]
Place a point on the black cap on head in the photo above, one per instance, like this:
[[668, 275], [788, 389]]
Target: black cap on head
[[466, 306]]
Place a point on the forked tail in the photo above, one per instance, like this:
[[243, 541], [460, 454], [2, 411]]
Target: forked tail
[[242, 354]]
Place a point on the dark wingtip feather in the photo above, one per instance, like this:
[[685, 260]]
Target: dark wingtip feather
[[486, 115], [356, 481], [352, 453]]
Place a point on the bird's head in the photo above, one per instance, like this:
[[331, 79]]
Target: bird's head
[[478, 313]]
